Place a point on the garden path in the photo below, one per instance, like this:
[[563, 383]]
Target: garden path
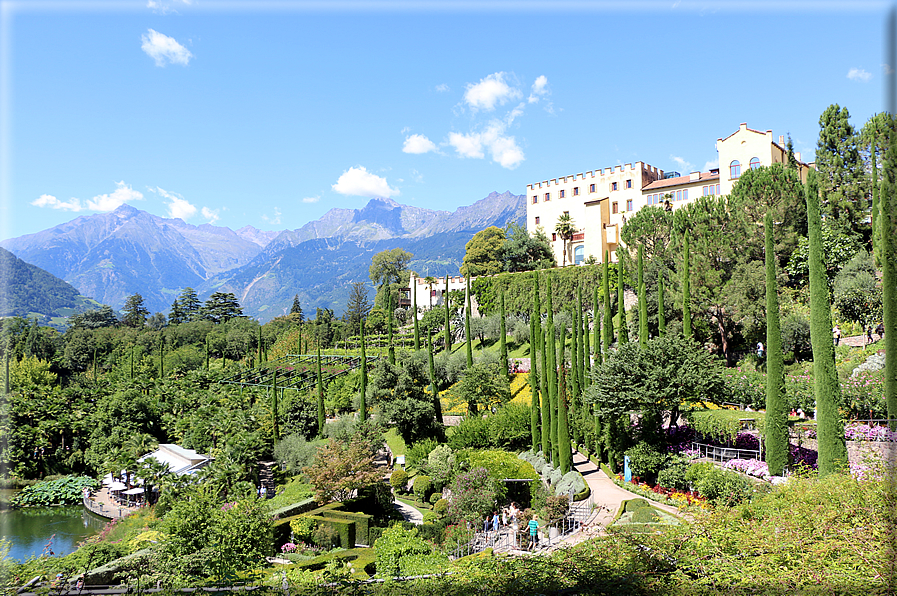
[[607, 498], [409, 513]]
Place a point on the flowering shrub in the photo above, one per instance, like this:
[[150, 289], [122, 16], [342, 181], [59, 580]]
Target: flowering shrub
[[289, 547], [751, 467], [864, 432], [863, 395]]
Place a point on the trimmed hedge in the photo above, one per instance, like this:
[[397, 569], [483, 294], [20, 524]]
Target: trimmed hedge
[[352, 527], [635, 504], [294, 509]]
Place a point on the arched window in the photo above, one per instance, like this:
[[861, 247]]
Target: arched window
[[755, 163], [734, 169], [579, 254]]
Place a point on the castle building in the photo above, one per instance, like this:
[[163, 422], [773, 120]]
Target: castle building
[[600, 201]]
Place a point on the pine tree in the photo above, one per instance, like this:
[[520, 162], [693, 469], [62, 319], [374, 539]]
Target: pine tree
[[776, 420], [320, 395], [296, 309], [176, 315], [830, 431], [467, 335], [661, 316], [888, 238], [189, 304], [642, 301], [362, 392], [135, 311], [448, 330], [623, 331], [686, 288]]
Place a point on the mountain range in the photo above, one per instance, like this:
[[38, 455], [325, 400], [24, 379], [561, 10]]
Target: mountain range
[[111, 256]]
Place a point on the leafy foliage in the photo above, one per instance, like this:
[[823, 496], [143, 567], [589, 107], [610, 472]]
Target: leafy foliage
[[62, 491]]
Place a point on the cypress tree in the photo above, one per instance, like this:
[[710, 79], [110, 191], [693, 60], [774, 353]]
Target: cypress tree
[[623, 331], [876, 209], [573, 382], [437, 404], [586, 348], [596, 328], [661, 316], [448, 329], [608, 315], [642, 301], [467, 327], [274, 406], [887, 232], [391, 351], [776, 420], [132, 358], [556, 361], [416, 324], [362, 393], [830, 431], [503, 340], [320, 395], [161, 359], [546, 398], [207, 358], [6, 367], [686, 288], [534, 421], [564, 450]]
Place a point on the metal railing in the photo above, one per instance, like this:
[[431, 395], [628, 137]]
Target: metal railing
[[102, 510], [717, 453]]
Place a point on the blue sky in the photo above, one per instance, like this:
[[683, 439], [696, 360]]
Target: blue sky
[[269, 114]]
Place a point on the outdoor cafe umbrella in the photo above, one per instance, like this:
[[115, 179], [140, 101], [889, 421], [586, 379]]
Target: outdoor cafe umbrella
[[117, 486]]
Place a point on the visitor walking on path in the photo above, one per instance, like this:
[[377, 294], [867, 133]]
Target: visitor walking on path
[[836, 334], [533, 532]]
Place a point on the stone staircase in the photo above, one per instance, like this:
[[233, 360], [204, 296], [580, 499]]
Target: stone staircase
[[266, 477]]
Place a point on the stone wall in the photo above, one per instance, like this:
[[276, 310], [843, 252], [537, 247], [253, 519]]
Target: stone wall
[[857, 451]]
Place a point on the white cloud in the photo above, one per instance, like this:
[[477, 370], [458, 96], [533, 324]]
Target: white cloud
[[418, 144], [164, 49], [711, 165], [359, 182], [164, 7], [467, 145], [489, 92], [178, 206], [442, 88], [122, 194], [886, 69], [54, 203], [211, 215], [313, 199], [684, 166], [275, 219], [539, 89], [858, 74], [503, 149]]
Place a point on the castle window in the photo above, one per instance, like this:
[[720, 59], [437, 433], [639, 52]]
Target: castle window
[[535, 199], [685, 194], [575, 191], [629, 205], [537, 220], [591, 188], [614, 207], [613, 186], [734, 169], [629, 184], [755, 163], [561, 194], [554, 236], [706, 191], [547, 196]]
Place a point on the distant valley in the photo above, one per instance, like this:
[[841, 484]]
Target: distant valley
[[112, 255]]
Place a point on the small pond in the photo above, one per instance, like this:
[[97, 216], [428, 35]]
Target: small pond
[[32, 530]]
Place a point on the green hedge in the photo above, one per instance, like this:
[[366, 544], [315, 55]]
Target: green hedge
[[361, 558], [721, 424], [352, 527], [294, 509]]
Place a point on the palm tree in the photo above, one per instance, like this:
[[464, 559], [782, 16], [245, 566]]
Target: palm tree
[[431, 281], [565, 228]]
